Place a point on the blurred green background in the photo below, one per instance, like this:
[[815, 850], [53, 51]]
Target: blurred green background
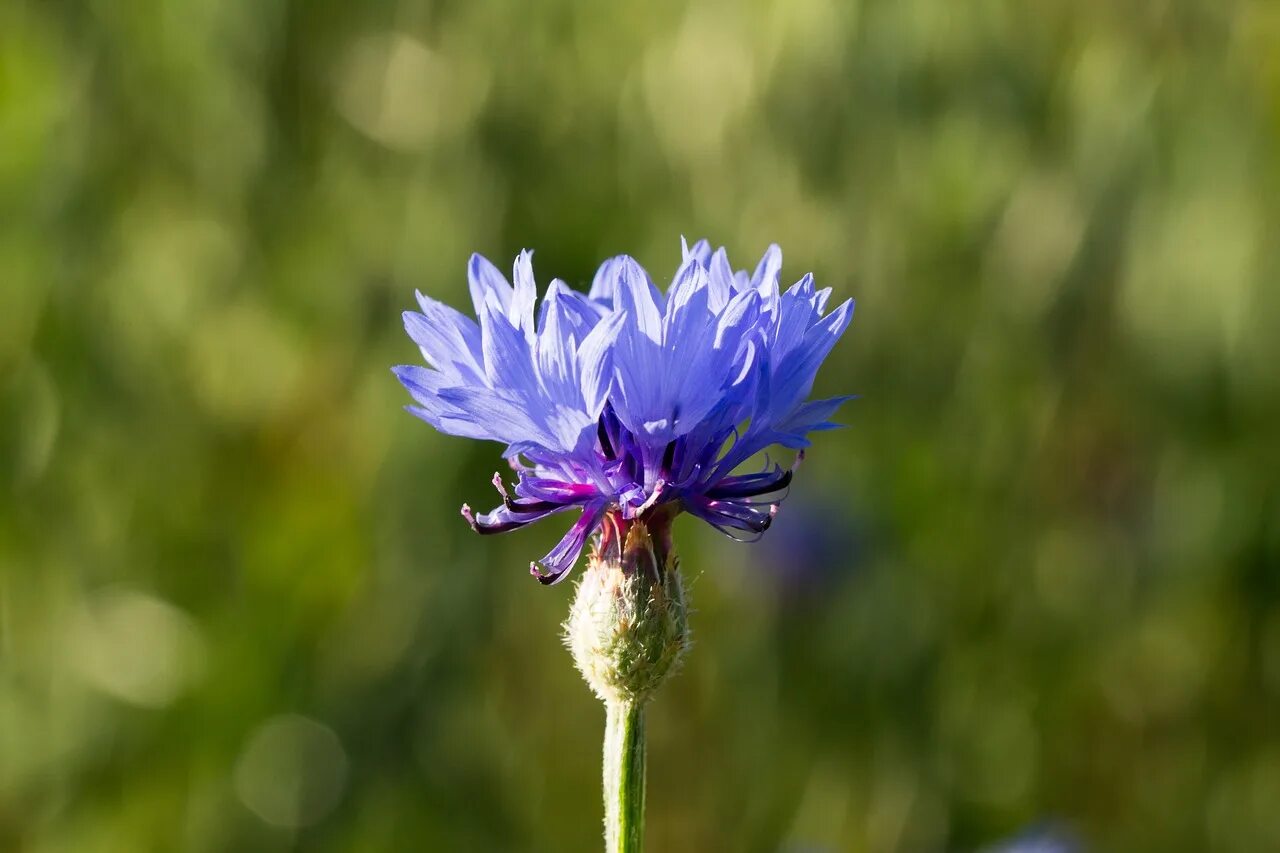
[[1036, 580]]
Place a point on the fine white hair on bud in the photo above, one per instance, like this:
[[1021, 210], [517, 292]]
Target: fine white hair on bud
[[628, 627]]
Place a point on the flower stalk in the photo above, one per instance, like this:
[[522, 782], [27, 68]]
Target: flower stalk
[[627, 630], [624, 777]]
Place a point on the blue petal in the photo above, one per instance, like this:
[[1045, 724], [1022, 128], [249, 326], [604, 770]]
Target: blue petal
[[695, 369], [813, 416], [449, 341], [636, 296], [504, 519], [794, 376], [690, 280], [595, 363], [560, 559], [820, 299], [569, 427], [721, 280], [520, 310], [428, 389], [764, 482], [795, 316], [768, 268], [508, 361], [738, 317], [638, 362], [559, 490], [605, 283], [488, 286], [557, 357], [497, 415], [579, 313], [423, 384], [730, 516], [700, 252]]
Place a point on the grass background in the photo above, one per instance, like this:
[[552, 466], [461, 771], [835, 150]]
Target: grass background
[[1037, 579]]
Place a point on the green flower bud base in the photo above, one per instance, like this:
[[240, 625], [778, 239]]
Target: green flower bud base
[[627, 630]]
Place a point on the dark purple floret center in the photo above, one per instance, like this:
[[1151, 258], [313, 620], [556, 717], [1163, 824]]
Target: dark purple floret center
[[618, 484]]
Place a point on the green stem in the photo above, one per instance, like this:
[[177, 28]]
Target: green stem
[[624, 764]]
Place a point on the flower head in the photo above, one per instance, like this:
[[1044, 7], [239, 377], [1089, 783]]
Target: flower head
[[628, 403]]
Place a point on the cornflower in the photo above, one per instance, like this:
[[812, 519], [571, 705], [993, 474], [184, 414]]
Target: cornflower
[[629, 406]]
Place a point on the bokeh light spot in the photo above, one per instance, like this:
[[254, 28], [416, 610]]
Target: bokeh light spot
[[292, 772], [135, 647]]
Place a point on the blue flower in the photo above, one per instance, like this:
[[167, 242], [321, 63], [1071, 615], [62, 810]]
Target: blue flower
[[628, 403]]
